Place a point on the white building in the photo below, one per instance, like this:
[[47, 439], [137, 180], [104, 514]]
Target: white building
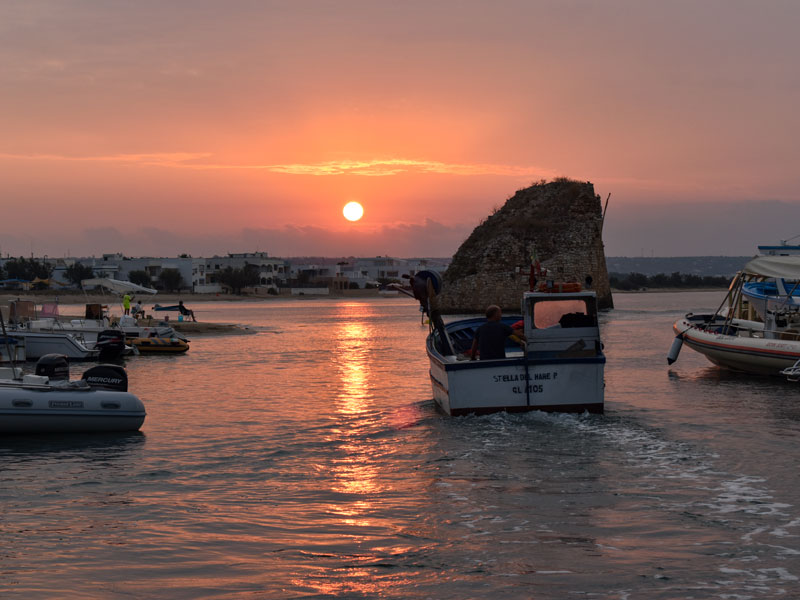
[[201, 275], [272, 272]]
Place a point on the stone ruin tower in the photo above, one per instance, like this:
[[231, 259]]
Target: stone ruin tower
[[562, 220]]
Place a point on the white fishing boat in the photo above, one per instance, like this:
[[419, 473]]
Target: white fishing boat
[[48, 402], [559, 368], [765, 347]]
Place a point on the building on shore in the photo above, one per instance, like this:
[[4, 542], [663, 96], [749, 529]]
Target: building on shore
[[275, 275]]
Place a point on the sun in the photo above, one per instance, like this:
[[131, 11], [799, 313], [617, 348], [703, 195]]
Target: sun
[[353, 211]]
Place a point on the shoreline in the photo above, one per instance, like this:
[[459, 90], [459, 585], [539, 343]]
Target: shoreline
[[77, 297], [74, 297]]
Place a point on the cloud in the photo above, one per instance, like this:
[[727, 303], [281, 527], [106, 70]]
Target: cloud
[[368, 168], [163, 159], [664, 229], [406, 240], [696, 229], [396, 166]]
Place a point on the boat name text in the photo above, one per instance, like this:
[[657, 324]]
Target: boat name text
[[65, 404], [524, 377]]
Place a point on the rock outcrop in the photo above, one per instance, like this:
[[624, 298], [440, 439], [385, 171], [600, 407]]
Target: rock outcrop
[[561, 221]]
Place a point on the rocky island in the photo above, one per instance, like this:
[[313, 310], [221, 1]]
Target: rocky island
[[560, 222]]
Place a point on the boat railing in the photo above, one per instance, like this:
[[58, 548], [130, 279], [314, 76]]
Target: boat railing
[[748, 331]]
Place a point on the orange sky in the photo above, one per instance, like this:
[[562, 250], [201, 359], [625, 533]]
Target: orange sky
[[210, 127]]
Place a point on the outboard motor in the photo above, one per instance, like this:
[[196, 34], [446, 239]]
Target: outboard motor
[[53, 366], [111, 344], [107, 377]]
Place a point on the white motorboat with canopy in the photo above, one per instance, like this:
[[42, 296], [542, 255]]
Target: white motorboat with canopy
[[768, 346], [95, 327], [41, 337]]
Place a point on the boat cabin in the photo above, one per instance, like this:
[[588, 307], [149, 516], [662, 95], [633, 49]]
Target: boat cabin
[[21, 311], [561, 325]]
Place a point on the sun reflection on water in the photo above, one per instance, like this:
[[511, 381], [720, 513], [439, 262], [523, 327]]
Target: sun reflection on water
[[353, 470]]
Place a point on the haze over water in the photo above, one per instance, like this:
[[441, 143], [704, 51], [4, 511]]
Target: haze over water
[[308, 461]]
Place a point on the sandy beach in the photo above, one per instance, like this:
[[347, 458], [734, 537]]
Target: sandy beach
[[71, 306], [78, 297]]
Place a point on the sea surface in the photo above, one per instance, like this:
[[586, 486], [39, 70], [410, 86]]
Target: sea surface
[[307, 460]]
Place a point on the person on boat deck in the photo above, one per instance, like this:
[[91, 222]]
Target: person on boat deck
[[126, 304], [185, 311], [138, 310], [490, 338]]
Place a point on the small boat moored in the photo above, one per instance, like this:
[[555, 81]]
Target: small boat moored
[[767, 347], [48, 402], [156, 345]]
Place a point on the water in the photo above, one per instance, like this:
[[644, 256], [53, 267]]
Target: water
[[308, 461]]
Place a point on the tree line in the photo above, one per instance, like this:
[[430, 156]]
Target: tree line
[[29, 269], [637, 281], [170, 280]]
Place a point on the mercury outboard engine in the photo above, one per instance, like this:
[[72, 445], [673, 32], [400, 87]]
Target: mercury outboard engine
[[108, 377], [111, 344], [54, 366]]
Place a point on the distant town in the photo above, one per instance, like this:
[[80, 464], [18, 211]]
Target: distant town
[[258, 273], [254, 273]]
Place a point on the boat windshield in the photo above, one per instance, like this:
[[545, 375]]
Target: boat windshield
[[566, 313]]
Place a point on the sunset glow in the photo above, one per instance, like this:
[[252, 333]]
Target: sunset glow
[[162, 139]]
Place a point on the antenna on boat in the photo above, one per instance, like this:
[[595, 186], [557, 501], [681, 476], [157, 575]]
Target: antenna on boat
[[11, 355], [783, 242], [605, 208]]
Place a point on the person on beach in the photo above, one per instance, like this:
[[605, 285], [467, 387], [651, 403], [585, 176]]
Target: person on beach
[[490, 338], [186, 311], [126, 304]]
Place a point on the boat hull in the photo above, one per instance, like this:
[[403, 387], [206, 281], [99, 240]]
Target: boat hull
[[518, 384], [46, 409], [758, 355], [556, 365], [37, 344]]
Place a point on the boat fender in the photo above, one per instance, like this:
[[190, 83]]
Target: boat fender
[[675, 349], [517, 329], [109, 377]]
